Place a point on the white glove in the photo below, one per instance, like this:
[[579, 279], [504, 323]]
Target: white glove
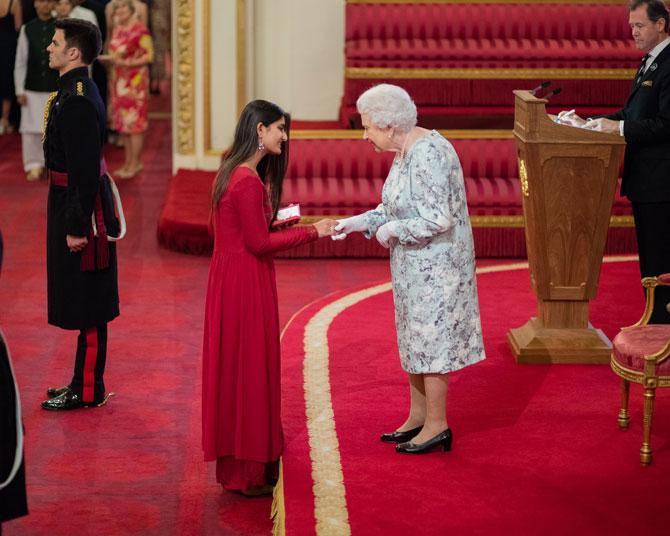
[[350, 225], [386, 232]]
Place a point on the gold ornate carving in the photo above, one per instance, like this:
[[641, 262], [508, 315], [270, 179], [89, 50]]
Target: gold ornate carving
[[390, 73], [523, 177], [626, 373], [185, 86]]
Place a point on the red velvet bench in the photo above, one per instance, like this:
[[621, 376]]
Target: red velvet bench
[[460, 61], [342, 177]]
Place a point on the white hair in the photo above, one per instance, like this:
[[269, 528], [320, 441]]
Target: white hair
[[388, 106]]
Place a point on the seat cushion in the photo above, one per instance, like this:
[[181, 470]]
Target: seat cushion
[[631, 345], [492, 53], [497, 20], [343, 177]]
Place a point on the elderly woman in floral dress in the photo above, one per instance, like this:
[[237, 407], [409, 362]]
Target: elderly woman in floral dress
[[130, 53], [423, 219]]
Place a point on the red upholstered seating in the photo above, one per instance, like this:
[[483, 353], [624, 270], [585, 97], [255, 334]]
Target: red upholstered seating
[[335, 177], [341, 177], [631, 345], [457, 39], [641, 354], [495, 34]]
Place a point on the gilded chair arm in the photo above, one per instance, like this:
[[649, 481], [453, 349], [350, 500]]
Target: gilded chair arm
[[650, 284]]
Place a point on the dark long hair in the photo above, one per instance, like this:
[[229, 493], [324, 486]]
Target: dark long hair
[[271, 168]]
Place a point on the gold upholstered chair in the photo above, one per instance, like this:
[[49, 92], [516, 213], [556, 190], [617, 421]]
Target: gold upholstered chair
[[641, 354]]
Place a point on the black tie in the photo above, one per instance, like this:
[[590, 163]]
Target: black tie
[[640, 71]]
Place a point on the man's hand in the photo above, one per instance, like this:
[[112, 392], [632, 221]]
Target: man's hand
[[570, 118], [76, 243], [603, 125], [22, 100]]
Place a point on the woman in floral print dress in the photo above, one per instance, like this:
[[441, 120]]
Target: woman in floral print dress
[[130, 53], [423, 219]]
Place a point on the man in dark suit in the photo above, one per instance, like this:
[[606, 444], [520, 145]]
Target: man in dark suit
[[645, 123]]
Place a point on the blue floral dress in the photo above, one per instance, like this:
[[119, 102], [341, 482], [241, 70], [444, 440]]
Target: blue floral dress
[[432, 260]]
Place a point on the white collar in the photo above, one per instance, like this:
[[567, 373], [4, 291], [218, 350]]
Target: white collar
[[654, 52]]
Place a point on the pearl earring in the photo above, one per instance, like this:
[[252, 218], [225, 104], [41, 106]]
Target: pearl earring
[[260, 144]]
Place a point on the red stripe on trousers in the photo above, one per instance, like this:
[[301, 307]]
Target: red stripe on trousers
[[89, 364]]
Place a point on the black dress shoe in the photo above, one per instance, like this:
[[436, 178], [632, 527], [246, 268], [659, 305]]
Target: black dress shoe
[[68, 400], [400, 437], [53, 392], [442, 439]]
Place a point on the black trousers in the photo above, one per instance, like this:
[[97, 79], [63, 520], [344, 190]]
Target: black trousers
[[652, 226], [89, 365]]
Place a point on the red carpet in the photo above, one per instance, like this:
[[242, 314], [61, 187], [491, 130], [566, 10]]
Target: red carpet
[[537, 448], [134, 466]]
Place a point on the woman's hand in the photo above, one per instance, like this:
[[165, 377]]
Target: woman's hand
[[325, 227], [386, 232], [355, 224]]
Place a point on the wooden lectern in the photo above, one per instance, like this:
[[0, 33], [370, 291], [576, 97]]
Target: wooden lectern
[[568, 176]]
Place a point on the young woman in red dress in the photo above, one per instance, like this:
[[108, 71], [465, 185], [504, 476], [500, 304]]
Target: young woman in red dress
[[241, 370]]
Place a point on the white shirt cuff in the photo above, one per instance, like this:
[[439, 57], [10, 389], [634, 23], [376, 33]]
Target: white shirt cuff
[[621, 128]]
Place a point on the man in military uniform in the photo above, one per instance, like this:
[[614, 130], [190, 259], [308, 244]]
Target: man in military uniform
[[81, 264]]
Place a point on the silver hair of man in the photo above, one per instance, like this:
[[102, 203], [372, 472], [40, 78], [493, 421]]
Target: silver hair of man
[[388, 106]]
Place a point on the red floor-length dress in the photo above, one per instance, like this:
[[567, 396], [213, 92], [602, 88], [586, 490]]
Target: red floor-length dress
[[241, 371]]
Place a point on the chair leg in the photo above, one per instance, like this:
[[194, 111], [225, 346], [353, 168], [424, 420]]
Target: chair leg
[[624, 418], [645, 451]]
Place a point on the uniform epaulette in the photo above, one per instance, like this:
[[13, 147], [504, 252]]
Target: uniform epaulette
[[80, 88]]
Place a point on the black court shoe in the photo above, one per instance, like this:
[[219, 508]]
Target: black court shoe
[[70, 400], [53, 392], [400, 437], [442, 439]]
